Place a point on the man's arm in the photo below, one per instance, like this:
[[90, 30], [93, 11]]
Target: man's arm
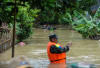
[[57, 50]]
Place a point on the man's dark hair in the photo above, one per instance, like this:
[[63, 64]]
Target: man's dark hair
[[53, 36]]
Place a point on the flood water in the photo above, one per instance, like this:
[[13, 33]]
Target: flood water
[[82, 50]]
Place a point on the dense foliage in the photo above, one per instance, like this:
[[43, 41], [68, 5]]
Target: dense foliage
[[89, 27], [24, 17], [50, 12], [6, 12], [53, 11]]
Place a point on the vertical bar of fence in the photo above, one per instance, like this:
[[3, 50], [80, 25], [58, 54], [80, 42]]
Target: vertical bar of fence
[[13, 40]]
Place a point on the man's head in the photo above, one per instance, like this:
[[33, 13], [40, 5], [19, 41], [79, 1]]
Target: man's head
[[53, 38]]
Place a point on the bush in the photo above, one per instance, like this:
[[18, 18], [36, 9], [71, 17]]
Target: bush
[[88, 27], [25, 19], [24, 30]]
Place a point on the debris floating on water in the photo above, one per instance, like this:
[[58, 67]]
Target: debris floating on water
[[21, 43]]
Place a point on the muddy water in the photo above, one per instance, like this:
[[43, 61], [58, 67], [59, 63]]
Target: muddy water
[[82, 50]]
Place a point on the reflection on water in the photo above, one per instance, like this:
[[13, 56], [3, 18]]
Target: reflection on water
[[82, 50]]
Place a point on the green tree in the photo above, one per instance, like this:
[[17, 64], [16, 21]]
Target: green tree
[[53, 11], [25, 16]]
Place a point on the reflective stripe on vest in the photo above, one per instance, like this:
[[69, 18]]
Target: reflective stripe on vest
[[57, 45]]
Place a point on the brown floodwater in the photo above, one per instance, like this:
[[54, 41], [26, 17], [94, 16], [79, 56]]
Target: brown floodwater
[[82, 50]]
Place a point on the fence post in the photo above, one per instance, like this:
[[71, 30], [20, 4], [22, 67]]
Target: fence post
[[13, 40]]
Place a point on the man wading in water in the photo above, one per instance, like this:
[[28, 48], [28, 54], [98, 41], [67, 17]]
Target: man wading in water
[[56, 52]]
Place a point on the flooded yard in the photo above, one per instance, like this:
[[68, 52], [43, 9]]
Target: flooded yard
[[82, 50]]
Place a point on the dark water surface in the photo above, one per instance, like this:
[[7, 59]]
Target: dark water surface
[[82, 50]]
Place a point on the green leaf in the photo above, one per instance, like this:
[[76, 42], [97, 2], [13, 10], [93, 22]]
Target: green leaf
[[79, 27]]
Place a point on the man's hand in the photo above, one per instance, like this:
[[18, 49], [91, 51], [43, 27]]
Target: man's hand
[[69, 44]]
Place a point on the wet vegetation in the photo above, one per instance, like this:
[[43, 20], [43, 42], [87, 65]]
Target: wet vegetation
[[24, 17], [63, 12], [89, 27]]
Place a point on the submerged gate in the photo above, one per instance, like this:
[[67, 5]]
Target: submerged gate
[[5, 39]]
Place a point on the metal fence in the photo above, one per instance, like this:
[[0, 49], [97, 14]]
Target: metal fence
[[5, 39]]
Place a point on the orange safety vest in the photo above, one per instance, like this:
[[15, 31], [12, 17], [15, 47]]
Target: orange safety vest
[[55, 58]]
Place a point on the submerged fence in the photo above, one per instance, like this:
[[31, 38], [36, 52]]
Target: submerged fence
[[5, 39]]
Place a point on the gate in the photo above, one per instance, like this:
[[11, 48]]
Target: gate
[[5, 39]]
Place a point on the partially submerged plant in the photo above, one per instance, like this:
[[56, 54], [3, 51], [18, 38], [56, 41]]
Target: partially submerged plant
[[88, 27]]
